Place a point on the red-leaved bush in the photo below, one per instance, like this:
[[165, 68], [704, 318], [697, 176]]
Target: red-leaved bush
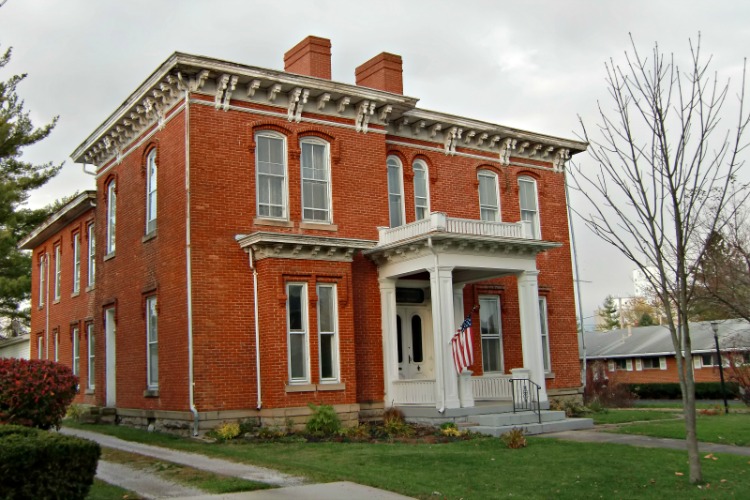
[[35, 393]]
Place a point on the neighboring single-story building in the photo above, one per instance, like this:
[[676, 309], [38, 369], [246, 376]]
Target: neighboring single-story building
[[16, 347]]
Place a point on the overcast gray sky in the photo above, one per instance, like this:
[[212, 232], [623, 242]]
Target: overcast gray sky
[[534, 65]]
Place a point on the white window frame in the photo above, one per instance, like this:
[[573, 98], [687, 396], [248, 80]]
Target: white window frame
[[42, 279], [495, 300], [91, 255], [314, 141], [58, 272], [483, 205], [395, 193], [111, 216], [529, 214], [421, 174], [544, 331], [91, 357], [76, 352], [152, 343], [76, 263], [304, 331], [333, 333], [284, 178], [151, 183]]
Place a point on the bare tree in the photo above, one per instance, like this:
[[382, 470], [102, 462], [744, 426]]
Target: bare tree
[[665, 174]]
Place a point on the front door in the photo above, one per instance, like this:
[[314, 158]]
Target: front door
[[414, 341]]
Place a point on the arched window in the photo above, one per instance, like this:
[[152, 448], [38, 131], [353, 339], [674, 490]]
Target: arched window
[[270, 171], [316, 180], [489, 196], [528, 199], [151, 192], [421, 190], [111, 216], [395, 192]]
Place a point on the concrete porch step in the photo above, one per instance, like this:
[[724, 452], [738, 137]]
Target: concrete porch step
[[570, 424], [516, 419]]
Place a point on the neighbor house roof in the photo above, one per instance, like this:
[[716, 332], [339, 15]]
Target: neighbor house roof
[[657, 341]]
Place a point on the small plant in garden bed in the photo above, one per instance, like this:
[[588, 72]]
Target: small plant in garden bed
[[514, 439], [324, 422], [226, 431]]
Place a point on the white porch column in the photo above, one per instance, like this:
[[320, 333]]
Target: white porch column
[[531, 331], [388, 322], [465, 390], [443, 321]]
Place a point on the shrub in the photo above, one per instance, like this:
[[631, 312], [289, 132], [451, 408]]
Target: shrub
[[35, 393], [39, 464], [227, 431], [703, 390], [514, 439], [359, 433], [393, 413], [249, 426], [604, 387], [75, 412], [323, 422]]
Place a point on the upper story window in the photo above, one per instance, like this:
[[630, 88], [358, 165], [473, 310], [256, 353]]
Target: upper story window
[[76, 263], [528, 199], [316, 183], [395, 192], [42, 276], [270, 169], [489, 196], [421, 190], [58, 272], [111, 216], [91, 255], [151, 192]]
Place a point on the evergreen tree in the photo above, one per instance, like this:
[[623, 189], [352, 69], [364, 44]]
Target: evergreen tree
[[609, 318], [17, 179]]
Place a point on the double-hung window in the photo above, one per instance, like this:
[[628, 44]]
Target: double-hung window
[[316, 181], [91, 255], [152, 341], [76, 263], [297, 332], [421, 190], [529, 201], [491, 331], [270, 169], [395, 192], [545, 334], [111, 216], [489, 197], [42, 277], [40, 347], [58, 271], [76, 352], [328, 332], [151, 192], [57, 346], [90, 349]]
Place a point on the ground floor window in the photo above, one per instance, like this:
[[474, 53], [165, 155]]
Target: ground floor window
[[327, 332], [152, 340], [650, 363], [57, 346], [297, 332], [76, 351], [491, 332], [91, 355], [544, 327]]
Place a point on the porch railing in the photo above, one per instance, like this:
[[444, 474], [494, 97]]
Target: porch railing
[[414, 392], [492, 387], [525, 395], [440, 222]]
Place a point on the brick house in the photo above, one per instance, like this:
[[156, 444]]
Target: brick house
[[259, 240]]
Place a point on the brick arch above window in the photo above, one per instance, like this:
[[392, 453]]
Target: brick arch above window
[[334, 144], [431, 170], [269, 126], [107, 181], [150, 148], [398, 154], [535, 177]]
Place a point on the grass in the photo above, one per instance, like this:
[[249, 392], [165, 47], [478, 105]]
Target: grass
[[203, 480], [483, 468], [105, 491], [677, 403], [724, 429], [617, 416]]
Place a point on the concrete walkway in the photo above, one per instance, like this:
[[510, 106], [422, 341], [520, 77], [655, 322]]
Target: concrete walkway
[[151, 486], [645, 441]]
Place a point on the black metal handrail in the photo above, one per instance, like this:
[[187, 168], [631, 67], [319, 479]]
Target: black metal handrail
[[526, 400]]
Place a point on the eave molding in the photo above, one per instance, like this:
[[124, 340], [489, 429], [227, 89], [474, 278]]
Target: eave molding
[[265, 245]]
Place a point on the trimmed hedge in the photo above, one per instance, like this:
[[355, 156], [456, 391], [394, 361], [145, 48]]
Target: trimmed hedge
[[703, 390], [35, 392], [43, 464]]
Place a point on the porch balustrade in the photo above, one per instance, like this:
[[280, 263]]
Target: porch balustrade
[[492, 387], [440, 222], [414, 392]]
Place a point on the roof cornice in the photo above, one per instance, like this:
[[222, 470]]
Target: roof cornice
[[72, 210]]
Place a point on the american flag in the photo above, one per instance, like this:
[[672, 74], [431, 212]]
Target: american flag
[[463, 352]]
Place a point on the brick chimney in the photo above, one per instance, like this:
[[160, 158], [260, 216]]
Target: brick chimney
[[382, 72], [310, 57]]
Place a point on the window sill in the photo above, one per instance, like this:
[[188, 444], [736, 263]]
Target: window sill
[[260, 221], [300, 388], [56, 301], [332, 386], [89, 391], [90, 288], [148, 237], [109, 256], [151, 393], [549, 375], [318, 226], [75, 294]]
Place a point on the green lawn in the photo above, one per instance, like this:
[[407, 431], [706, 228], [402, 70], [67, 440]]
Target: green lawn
[[484, 468], [104, 491], [677, 403], [725, 429], [617, 416]]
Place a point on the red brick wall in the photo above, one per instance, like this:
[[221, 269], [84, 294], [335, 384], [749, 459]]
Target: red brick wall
[[655, 375]]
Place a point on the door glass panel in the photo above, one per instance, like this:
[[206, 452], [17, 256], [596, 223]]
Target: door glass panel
[[416, 338], [398, 340]]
